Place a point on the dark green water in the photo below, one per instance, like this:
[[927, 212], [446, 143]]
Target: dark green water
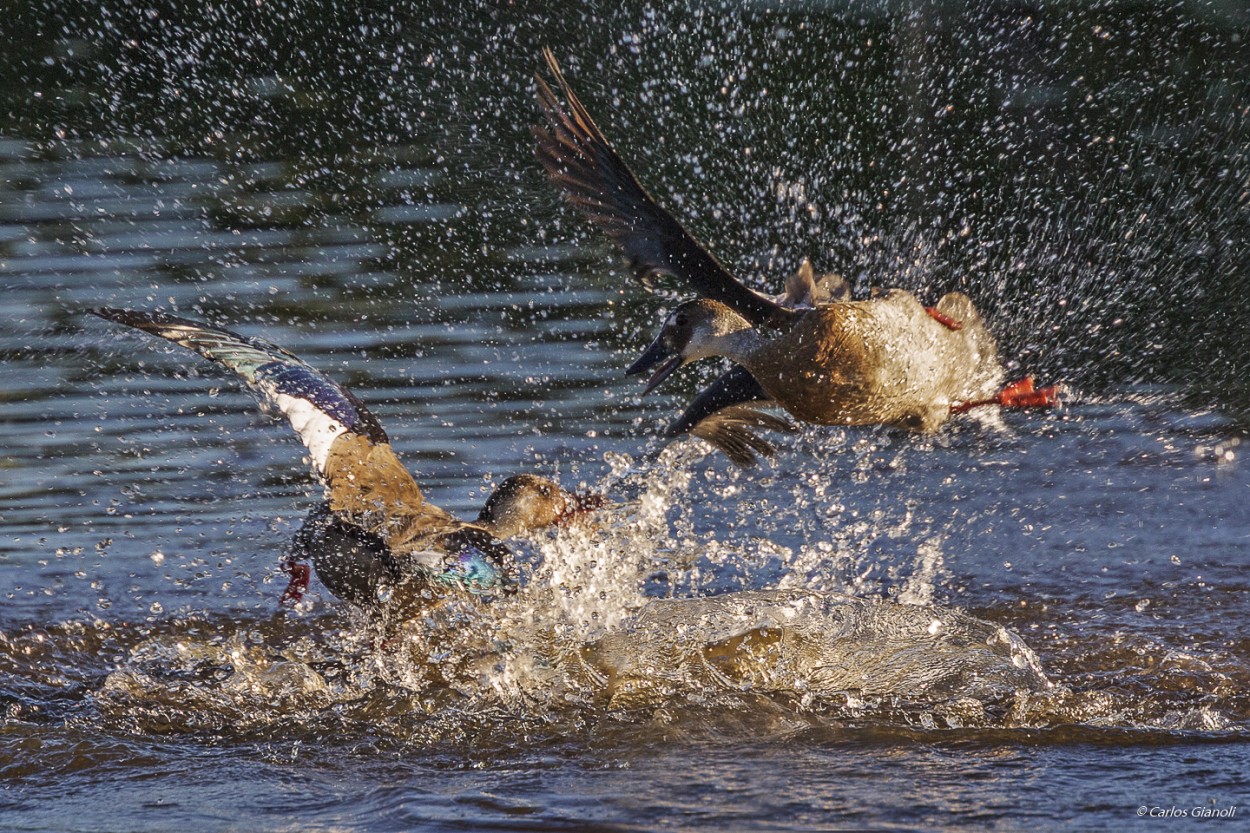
[[357, 183]]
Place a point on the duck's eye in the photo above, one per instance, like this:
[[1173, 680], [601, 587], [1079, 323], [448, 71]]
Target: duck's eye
[[681, 320]]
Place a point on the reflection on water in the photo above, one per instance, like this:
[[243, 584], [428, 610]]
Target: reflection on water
[[357, 184]]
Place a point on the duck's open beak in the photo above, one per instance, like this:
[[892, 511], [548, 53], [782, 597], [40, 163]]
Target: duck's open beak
[[659, 354], [578, 504]]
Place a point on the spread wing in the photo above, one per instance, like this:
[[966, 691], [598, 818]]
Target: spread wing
[[583, 164], [350, 452], [724, 413]]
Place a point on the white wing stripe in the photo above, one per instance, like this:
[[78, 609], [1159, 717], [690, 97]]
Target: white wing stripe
[[317, 429]]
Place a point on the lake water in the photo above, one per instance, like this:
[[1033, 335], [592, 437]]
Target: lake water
[[356, 182]]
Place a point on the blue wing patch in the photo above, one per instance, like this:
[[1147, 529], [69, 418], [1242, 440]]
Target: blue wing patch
[[302, 382], [471, 570]]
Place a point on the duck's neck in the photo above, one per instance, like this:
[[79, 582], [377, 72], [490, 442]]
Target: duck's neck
[[506, 522], [501, 527], [738, 345]]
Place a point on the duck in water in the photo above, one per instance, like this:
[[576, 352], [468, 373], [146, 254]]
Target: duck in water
[[797, 642], [375, 540], [824, 358]]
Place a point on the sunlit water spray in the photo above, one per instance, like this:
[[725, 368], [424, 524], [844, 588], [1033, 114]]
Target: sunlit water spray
[[388, 221], [605, 624], [585, 632]]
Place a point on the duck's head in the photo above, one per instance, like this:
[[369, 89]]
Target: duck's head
[[525, 502], [694, 330]]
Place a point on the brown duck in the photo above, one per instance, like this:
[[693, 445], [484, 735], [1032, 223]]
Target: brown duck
[[813, 351], [375, 540]]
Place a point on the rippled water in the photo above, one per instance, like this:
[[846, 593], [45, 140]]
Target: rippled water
[[359, 188]]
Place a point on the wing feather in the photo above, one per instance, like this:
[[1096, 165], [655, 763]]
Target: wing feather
[[583, 164], [724, 413], [365, 480]]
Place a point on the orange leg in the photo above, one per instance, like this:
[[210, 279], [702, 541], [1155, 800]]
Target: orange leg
[[1018, 394], [944, 320], [300, 574]]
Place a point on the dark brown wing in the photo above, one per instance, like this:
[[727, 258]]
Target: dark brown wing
[[724, 413], [729, 430], [584, 165]]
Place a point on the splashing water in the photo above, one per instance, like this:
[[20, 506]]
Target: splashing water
[[357, 183]]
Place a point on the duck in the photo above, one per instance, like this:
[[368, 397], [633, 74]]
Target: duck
[[374, 541], [810, 643], [821, 356], [879, 361]]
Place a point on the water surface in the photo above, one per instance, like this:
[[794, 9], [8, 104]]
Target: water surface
[[357, 185]]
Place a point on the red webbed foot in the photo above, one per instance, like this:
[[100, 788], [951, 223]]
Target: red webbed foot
[[300, 574], [1022, 394], [1018, 394], [943, 319]]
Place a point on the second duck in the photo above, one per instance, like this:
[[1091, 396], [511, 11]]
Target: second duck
[[824, 358]]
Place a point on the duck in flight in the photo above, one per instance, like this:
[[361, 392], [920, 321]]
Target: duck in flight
[[819, 355], [375, 540]]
